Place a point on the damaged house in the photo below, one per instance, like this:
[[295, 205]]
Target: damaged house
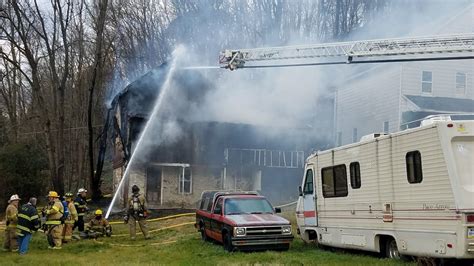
[[203, 155]]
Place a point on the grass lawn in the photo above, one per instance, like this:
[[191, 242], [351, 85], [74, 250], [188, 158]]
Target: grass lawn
[[178, 246]]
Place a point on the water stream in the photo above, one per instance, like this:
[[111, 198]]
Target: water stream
[[201, 67], [145, 133]]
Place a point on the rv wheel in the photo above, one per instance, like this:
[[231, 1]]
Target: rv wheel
[[392, 249]]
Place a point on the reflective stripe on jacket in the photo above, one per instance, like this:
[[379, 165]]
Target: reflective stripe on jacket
[[28, 219], [72, 218], [81, 205], [54, 213], [11, 215]]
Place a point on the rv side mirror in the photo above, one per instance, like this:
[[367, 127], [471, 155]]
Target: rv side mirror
[[300, 191], [277, 210]]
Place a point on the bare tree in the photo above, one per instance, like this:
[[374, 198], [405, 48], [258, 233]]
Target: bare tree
[[43, 41]]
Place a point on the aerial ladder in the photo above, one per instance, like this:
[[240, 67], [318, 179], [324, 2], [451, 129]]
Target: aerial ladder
[[448, 47]]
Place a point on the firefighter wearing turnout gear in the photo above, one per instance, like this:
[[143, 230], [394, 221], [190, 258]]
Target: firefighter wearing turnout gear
[[11, 216], [54, 213], [81, 207], [28, 223], [71, 219], [137, 212], [98, 226]]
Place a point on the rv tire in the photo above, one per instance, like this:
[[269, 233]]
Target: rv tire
[[391, 249]]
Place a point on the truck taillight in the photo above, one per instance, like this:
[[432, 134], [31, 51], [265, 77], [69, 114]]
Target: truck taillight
[[470, 218]]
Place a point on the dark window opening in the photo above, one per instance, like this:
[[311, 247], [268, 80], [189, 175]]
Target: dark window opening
[[354, 168], [308, 184], [334, 181], [414, 169], [218, 207]]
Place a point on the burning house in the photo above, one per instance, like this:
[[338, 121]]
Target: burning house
[[202, 155]]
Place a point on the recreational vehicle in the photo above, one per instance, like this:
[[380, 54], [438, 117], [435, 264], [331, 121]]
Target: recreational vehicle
[[405, 193]]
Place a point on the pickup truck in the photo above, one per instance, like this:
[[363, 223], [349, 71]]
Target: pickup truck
[[242, 220]]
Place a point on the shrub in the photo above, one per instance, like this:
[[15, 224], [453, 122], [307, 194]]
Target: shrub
[[22, 171]]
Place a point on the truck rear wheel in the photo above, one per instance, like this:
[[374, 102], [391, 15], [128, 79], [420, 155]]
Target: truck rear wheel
[[228, 243], [203, 234]]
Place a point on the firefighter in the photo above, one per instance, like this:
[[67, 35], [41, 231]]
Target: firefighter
[[54, 215], [137, 212], [99, 226], [11, 215], [28, 222], [71, 219], [81, 207]]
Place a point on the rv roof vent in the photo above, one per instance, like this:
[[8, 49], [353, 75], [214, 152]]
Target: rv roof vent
[[372, 136], [435, 118]]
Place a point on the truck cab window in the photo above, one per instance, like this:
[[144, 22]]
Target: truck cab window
[[308, 183], [218, 208]]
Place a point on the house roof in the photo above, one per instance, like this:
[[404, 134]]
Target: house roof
[[443, 104]]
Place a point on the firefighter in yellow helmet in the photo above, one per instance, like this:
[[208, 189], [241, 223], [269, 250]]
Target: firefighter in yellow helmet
[[11, 215], [54, 213], [98, 226], [70, 219]]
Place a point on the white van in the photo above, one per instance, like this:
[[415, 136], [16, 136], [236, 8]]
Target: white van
[[406, 193]]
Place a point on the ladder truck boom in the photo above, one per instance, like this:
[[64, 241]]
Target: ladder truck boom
[[449, 47]]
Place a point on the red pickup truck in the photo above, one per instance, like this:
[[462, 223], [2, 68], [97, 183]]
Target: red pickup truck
[[242, 220]]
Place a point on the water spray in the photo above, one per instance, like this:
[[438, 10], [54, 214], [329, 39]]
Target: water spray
[[153, 116]]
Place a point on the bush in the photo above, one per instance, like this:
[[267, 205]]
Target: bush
[[22, 171]]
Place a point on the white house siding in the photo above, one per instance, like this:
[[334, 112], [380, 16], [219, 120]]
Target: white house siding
[[444, 78], [461, 22], [365, 104]]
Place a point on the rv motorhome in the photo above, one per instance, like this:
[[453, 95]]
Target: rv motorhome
[[405, 193]]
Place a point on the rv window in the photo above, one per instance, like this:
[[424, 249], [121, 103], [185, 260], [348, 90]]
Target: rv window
[[334, 180], [308, 183], [414, 170], [355, 175]]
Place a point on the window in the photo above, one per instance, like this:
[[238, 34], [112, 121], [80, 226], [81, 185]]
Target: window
[[245, 206], [427, 81], [308, 183], [460, 83], [218, 208], [334, 181], [354, 135], [354, 168], [185, 182], [414, 170], [386, 127]]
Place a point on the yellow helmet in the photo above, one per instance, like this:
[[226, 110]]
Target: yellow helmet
[[53, 194], [98, 212]]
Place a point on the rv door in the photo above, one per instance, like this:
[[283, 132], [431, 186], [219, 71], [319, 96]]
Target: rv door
[[309, 198]]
